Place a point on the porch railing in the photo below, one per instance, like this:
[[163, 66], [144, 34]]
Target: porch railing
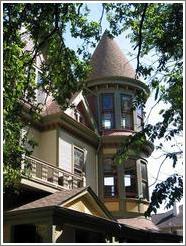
[[48, 174]]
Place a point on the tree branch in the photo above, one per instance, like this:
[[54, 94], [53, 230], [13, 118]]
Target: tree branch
[[158, 172], [101, 18], [140, 37]]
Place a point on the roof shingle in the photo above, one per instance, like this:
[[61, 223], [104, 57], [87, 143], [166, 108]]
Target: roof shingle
[[54, 199], [108, 60], [139, 223]]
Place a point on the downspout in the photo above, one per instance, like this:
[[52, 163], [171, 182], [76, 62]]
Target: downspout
[[99, 144], [97, 162]]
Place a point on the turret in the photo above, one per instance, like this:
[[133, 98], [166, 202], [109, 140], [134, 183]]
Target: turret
[[112, 87]]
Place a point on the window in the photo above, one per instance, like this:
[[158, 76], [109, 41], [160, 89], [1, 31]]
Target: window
[[107, 112], [39, 77], [79, 159], [139, 112], [110, 178], [130, 178], [126, 111], [144, 180]]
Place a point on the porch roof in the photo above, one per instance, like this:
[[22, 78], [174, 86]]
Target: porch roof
[[56, 215]]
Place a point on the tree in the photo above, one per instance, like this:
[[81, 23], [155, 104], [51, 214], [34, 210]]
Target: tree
[[157, 29], [64, 70]]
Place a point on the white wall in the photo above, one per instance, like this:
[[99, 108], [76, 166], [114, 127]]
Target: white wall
[[66, 143]]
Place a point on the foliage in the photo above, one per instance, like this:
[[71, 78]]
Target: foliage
[[157, 29], [63, 72], [168, 191]]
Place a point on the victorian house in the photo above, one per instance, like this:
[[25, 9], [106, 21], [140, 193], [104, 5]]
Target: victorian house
[[75, 191]]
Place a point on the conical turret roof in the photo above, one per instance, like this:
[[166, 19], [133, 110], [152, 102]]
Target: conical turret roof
[[108, 60]]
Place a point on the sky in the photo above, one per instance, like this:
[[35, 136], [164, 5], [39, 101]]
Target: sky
[[156, 158]]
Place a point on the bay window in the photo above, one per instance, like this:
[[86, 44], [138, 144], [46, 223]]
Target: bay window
[[107, 111], [126, 111]]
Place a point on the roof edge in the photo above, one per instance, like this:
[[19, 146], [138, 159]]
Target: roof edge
[[128, 81]]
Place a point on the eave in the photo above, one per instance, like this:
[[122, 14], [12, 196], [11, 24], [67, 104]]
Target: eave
[[120, 80], [63, 120]]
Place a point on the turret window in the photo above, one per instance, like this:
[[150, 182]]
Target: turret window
[[144, 180], [110, 178], [130, 180], [139, 116], [126, 111], [107, 113]]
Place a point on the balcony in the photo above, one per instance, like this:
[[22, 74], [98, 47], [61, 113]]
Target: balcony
[[45, 174]]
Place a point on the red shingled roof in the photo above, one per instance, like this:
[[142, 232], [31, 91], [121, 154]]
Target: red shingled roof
[[54, 199], [51, 107], [108, 60], [139, 223]]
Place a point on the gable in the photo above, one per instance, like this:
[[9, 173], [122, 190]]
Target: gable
[[79, 110], [81, 205], [87, 202]]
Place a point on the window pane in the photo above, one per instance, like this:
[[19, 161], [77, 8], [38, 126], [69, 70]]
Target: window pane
[[110, 177], [126, 103], [126, 121], [145, 190], [139, 111], [39, 78], [78, 158], [110, 188], [107, 102], [127, 180], [130, 178], [109, 181], [143, 171], [139, 121], [107, 120]]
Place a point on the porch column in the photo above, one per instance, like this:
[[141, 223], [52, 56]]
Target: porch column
[[45, 231]]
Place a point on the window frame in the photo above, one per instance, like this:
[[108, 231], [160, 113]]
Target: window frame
[[139, 116], [109, 174], [77, 170], [144, 181], [126, 113], [132, 190], [110, 111]]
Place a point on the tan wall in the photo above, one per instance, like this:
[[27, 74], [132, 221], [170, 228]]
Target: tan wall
[[81, 206], [36, 136], [132, 206], [112, 206], [47, 145], [85, 206], [91, 173]]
